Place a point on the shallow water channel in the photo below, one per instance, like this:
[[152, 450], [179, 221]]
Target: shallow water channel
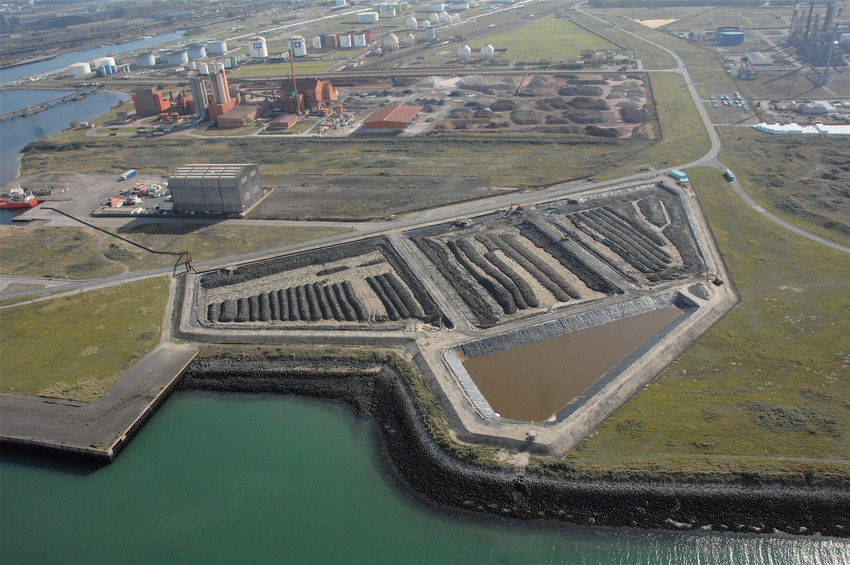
[[531, 383]]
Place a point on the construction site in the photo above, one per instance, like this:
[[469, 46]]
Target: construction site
[[476, 286]]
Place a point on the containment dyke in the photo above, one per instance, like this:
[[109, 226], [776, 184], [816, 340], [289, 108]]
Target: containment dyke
[[425, 463]]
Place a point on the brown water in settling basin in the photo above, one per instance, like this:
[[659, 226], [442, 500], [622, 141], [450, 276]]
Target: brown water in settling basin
[[531, 383]]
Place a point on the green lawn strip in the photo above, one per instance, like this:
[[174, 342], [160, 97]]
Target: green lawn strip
[[768, 381], [59, 252], [546, 38], [76, 347]]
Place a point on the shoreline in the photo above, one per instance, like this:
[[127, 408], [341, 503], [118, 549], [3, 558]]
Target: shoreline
[[438, 478]]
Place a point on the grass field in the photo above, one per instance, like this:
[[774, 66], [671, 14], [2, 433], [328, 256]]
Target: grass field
[[651, 57], [47, 351], [545, 39], [767, 389], [81, 253]]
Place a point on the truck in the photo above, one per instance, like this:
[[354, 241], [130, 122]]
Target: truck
[[127, 174], [728, 175]]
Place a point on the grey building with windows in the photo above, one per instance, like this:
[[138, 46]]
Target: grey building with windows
[[215, 189]]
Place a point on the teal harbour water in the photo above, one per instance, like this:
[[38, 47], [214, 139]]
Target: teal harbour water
[[230, 478]]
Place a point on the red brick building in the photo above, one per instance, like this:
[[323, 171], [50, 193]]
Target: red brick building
[[394, 118], [149, 102]]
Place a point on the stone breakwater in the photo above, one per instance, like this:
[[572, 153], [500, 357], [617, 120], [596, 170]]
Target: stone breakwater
[[443, 480]]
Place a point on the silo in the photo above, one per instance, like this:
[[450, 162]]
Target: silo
[[367, 17], [177, 57], [298, 46], [196, 51], [487, 52], [411, 23], [409, 40], [390, 42], [217, 67], [79, 69], [226, 62], [316, 42], [434, 19], [193, 65], [203, 69], [464, 52], [146, 60], [345, 40], [257, 47], [234, 61], [216, 47], [430, 34], [445, 18], [360, 40]]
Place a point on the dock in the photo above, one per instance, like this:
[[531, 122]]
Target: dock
[[36, 108]]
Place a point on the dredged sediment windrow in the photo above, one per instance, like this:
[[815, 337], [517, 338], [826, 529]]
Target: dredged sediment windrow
[[426, 465]]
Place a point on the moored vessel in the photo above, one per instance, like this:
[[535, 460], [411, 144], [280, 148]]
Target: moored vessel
[[17, 197]]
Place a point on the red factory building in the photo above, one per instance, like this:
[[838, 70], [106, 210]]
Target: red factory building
[[391, 119], [313, 94], [148, 102]]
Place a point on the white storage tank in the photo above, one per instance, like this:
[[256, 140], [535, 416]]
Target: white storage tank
[[196, 51], [217, 67], [409, 40], [216, 47], [316, 42], [203, 69], [345, 40], [487, 52], [145, 60], [464, 52], [434, 19], [234, 61], [257, 47], [193, 65], [79, 69], [341, 3], [226, 63], [411, 23], [360, 40], [177, 57], [298, 46], [431, 34], [104, 62], [390, 42], [436, 7], [458, 6], [445, 17], [367, 17]]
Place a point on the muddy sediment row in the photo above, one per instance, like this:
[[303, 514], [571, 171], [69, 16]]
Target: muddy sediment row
[[440, 479]]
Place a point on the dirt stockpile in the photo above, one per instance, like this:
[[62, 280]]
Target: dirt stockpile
[[440, 479], [364, 283]]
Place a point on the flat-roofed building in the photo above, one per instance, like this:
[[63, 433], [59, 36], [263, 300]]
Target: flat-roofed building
[[215, 189]]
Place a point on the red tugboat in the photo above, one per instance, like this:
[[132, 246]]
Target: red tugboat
[[17, 197]]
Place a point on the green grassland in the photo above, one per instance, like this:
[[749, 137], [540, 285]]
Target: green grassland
[[546, 38], [651, 57], [767, 389], [83, 253], [47, 351]]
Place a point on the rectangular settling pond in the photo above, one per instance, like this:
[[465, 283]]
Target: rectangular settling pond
[[531, 383]]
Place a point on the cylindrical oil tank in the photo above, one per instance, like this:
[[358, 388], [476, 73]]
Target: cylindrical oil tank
[[101, 71], [216, 47], [257, 48], [341, 3], [436, 7], [145, 60], [345, 40], [367, 17], [487, 52], [203, 69], [79, 69], [360, 40], [720, 29], [298, 46], [390, 42], [226, 62], [196, 51], [434, 19], [193, 65], [430, 34], [234, 61], [177, 57], [409, 40], [217, 67], [458, 6], [445, 18], [464, 52], [728, 38], [411, 23], [316, 42]]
